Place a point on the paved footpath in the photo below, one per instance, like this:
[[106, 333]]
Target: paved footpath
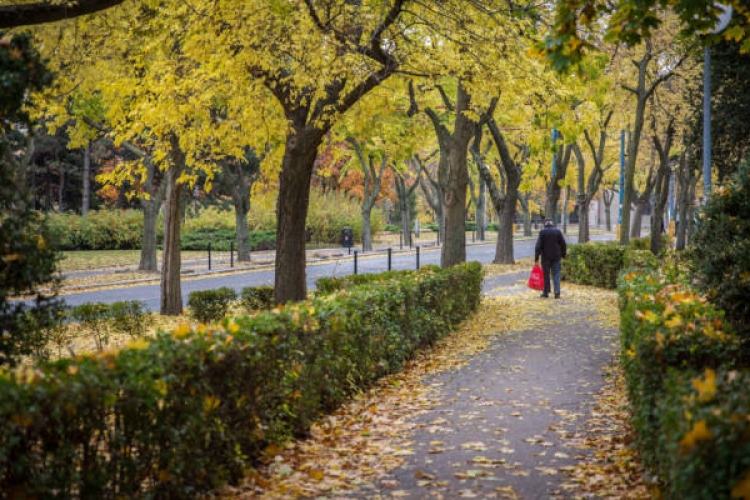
[[506, 424]]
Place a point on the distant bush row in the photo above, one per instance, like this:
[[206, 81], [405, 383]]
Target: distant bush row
[[122, 229], [184, 412]]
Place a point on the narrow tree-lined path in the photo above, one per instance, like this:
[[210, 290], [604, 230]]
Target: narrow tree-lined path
[[510, 406]]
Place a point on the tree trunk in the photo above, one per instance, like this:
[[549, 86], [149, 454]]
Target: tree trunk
[[482, 210], [148, 260], [584, 232], [241, 201], [171, 290], [642, 92], [504, 198], [661, 188], [553, 186], [86, 202], [454, 181], [608, 197], [405, 221], [366, 231], [291, 213], [150, 209], [637, 220], [61, 190], [242, 234], [686, 194]]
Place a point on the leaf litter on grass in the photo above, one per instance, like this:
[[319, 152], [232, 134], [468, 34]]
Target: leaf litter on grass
[[370, 436]]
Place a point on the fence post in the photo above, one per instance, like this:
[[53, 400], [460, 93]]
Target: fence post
[[231, 253], [389, 259], [417, 258], [209, 256], [355, 262]]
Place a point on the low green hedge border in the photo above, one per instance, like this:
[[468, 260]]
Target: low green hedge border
[[182, 413], [599, 264], [669, 336]]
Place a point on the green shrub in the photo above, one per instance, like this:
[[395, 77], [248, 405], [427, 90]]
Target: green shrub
[[665, 327], [210, 218], [258, 297], [705, 439], [208, 306], [596, 264], [98, 230], [721, 251], [639, 258], [131, 317], [330, 212], [93, 316], [329, 285], [180, 414], [645, 243], [219, 239]]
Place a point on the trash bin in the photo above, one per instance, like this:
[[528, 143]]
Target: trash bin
[[347, 237]]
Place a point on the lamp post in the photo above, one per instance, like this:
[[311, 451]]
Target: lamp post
[[721, 23]]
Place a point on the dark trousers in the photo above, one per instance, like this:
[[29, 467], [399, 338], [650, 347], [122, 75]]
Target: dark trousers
[[551, 270]]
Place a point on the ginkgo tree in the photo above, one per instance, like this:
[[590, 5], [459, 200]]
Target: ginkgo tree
[[318, 58], [181, 114]]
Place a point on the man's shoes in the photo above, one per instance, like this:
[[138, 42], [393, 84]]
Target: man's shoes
[[544, 296], [557, 295]]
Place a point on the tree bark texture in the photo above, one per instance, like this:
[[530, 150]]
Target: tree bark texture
[[504, 202], [151, 208], [553, 186], [241, 200], [86, 202], [291, 213], [171, 290], [454, 181]]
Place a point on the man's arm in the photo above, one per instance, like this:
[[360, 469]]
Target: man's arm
[[538, 248]]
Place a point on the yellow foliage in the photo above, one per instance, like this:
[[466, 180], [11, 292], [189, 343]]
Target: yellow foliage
[[706, 387], [699, 432], [182, 331], [742, 488]]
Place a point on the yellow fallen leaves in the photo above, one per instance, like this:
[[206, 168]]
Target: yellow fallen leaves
[[706, 387], [699, 432], [369, 437]]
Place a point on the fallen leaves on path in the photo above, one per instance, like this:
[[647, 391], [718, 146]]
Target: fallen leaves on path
[[369, 437]]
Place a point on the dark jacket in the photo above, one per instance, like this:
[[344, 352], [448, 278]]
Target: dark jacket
[[550, 245]]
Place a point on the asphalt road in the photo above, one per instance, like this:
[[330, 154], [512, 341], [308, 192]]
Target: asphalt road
[[338, 266]]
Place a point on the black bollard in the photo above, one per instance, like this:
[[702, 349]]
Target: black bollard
[[231, 253], [209, 256], [417, 258], [389, 259], [355, 262]]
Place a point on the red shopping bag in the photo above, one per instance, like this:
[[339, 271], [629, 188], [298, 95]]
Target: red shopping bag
[[536, 279]]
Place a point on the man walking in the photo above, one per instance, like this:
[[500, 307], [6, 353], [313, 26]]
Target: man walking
[[552, 248]]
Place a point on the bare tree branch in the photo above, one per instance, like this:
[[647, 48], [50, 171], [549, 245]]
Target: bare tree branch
[[30, 14]]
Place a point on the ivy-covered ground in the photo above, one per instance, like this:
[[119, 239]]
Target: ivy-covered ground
[[525, 400]]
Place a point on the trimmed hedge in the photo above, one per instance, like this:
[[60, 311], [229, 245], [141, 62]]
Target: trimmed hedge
[[221, 239], [98, 230], [705, 439], [599, 264], [179, 414], [208, 306], [668, 334], [259, 297]]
